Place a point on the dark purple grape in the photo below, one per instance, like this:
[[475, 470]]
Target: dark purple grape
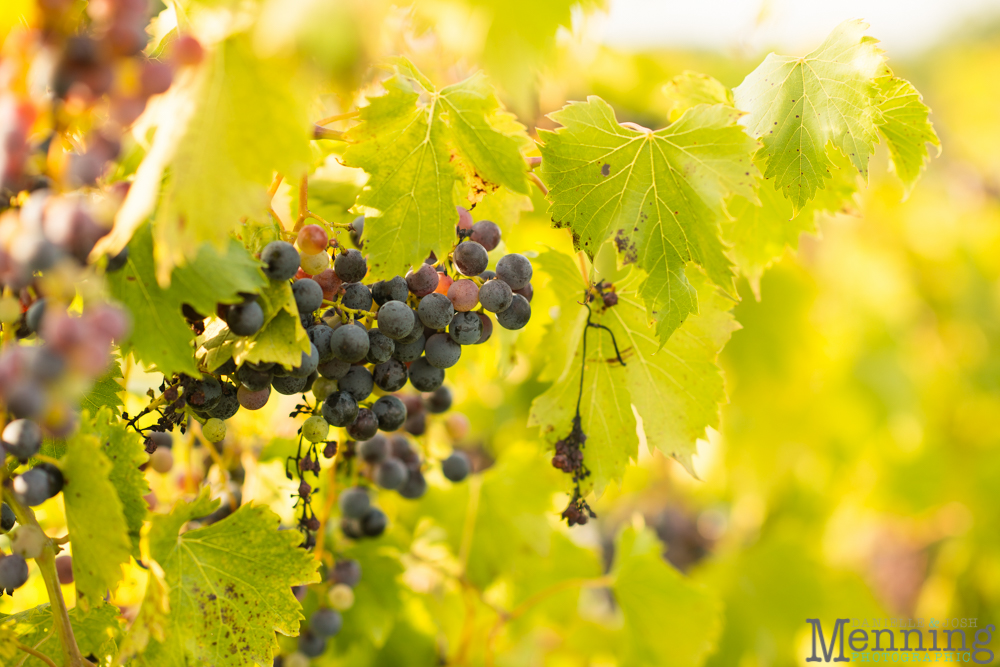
[[364, 426], [425, 377], [470, 258], [281, 260], [390, 375], [349, 343], [515, 316], [385, 291], [357, 296], [456, 467], [340, 408], [245, 319], [390, 474], [439, 401], [374, 450], [435, 311], [407, 352], [374, 522], [486, 234], [441, 351], [465, 328], [390, 413], [415, 485], [515, 270], [495, 295], [380, 347], [358, 382], [308, 295], [351, 266], [395, 320], [354, 502]]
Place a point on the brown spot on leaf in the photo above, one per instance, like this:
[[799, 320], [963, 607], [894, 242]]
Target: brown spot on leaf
[[606, 169], [626, 247]]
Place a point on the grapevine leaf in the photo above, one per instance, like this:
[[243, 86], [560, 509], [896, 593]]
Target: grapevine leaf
[[229, 586], [106, 391], [659, 195], [282, 338], [95, 630], [95, 518], [796, 106], [160, 336], [907, 128], [125, 450], [676, 390], [689, 89], [416, 143], [759, 233], [222, 130], [655, 598], [569, 287]]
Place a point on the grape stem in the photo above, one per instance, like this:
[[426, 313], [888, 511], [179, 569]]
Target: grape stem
[[36, 654], [533, 177], [534, 162], [334, 119], [46, 562], [320, 132]]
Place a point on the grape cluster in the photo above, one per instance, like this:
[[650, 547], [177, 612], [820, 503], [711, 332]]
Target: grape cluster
[[369, 338]]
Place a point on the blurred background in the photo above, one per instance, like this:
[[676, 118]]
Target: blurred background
[[856, 470]]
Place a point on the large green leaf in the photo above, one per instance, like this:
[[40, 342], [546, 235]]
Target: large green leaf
[[222, 130], [96, 631], [125, 450], [796, 106], [160, 336], [417, 142], [676, 390], [229, 586], [669, 621], [95, 518], [906, 127], [660, 195]]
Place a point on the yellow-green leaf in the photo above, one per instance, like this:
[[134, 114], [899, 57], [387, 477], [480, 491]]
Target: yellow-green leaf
[[659, 195], [796, 106]]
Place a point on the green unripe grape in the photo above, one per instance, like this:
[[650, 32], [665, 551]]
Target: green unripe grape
[[323, 387], [341, 597], [296, 660], [214, 430], [316, 429]]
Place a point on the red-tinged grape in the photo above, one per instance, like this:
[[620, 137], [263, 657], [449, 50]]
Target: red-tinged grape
[[527, 292], [253, 400], [464, 295], [330, 283], [444, 283], [187, 51], [423, 281], [155, 78], [312, 239], [64, 569], [457, 425], [162, 461], [464, 219]]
